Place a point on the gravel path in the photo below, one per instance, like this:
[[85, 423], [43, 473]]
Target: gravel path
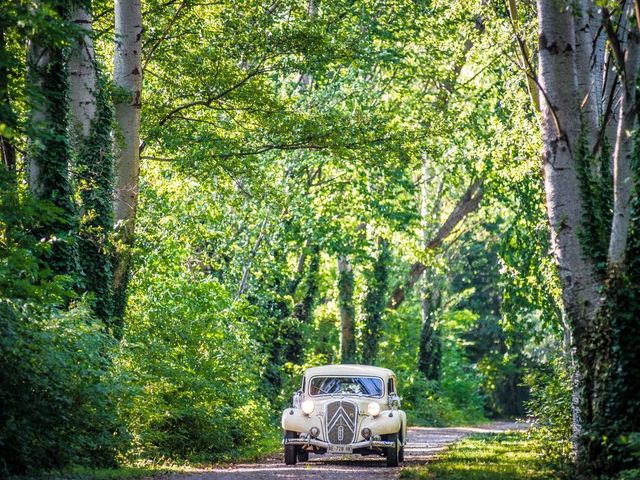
[[424, 444]]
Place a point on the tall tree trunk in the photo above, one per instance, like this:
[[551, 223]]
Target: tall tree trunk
[[347, 311], [303, 310], [627, 124], [560, 132], [600, 302], [430, 351], [91, 139], [375, 303], [127, 79], [49, 153], [7, 115]]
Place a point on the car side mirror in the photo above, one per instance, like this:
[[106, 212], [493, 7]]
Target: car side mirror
[[394, 401]]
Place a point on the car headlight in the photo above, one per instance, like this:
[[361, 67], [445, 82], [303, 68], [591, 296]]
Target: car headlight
[[373, 409], [307, 407]]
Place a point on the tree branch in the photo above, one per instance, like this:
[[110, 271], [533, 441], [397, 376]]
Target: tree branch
[[163, 36], [209, 100], [468, 203]]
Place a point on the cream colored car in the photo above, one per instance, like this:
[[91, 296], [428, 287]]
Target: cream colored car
[[345, 409]]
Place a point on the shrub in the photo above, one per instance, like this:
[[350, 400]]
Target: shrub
[[550, 404], [57, 400]]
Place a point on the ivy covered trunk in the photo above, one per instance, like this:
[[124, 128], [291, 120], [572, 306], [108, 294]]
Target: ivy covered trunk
[[347, 311], [375, 303], [7, 115], [303, 310], [430, 350], [49, 152], [593, 216], [91, 139]]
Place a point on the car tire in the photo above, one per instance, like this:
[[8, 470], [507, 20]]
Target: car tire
[[303, 456], [290, 451], [393, 453]]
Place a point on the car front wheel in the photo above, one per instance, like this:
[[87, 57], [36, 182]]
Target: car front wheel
[[290, 451], [393, 453]]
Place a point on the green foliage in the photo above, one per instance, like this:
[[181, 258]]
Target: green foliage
[[274, 142], [550, 405], [189, 354], [430, 351], [304, 308], [596, 192], [456, 399], [58, 399], [194, 387]]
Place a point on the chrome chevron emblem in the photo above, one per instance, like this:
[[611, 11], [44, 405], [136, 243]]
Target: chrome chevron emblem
[[341, 420]]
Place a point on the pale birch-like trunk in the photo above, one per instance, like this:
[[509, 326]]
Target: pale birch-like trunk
[[588, 90], [38, 61], [127, 79], [90, 121], [627, 124], [83, 79], [573, 64], [560, 131]]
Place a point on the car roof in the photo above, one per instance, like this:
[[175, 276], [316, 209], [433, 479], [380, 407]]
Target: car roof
[[364, 370]]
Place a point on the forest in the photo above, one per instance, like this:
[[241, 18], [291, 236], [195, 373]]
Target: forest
[[201, 198]]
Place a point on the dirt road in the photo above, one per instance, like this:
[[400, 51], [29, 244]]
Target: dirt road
[[424, 445]]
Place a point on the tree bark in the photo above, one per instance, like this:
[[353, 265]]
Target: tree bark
[[83, 79], [127, 78], [622, 154], [560, 132], [430, 350], [303, 310]]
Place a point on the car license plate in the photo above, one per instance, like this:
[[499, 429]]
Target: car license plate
[[339, 449]]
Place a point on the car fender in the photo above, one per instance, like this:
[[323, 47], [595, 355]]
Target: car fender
[[296, 420], [388, 421]]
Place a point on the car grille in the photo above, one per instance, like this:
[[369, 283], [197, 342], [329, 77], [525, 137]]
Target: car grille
[[342, 419]]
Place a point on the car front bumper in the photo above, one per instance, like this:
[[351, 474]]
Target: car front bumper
[[371, 443]]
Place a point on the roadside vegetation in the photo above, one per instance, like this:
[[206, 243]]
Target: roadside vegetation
[[506, 456]]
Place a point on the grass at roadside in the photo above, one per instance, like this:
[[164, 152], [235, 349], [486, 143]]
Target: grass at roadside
[[505, 456]]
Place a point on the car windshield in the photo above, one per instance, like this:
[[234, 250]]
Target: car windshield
[[366, 386]]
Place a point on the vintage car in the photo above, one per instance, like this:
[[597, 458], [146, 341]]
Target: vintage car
[[345, 409]]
